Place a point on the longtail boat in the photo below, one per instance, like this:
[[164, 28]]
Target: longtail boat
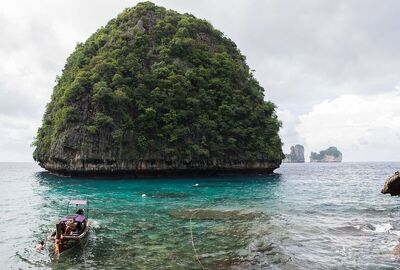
[[72, 228]]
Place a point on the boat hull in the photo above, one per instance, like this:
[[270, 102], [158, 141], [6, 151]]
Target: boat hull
[[69, 241]]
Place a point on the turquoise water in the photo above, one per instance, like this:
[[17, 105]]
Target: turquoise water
[[306, 216]]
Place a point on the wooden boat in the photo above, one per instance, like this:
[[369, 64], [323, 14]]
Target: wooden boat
[[73, 228]]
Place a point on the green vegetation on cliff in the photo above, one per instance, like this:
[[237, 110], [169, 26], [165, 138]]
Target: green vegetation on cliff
[[156, 84]]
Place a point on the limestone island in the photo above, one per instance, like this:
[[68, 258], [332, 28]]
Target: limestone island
[[156, 93], [296, 154], [332, 154]]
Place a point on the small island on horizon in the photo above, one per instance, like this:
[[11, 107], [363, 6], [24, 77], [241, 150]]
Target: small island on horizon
[[296, 154], [332, 154]]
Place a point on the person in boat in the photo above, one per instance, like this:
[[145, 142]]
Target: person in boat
[[70, 226], [79, 212], [80, 220], [57, 244]]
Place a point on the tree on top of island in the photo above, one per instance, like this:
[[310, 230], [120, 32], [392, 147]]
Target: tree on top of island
[[155, 92], [332, 154]]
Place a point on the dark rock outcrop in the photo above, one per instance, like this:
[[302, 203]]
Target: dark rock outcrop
[[332, 154], [156, 93], [392, 185], [296, 154]]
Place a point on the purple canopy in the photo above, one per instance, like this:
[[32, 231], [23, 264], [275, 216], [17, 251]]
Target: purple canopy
[[79, 218], [77, 202], [69, 217]]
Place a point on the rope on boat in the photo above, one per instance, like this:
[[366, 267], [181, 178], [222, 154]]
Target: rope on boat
[[84, 257], [193, 245]]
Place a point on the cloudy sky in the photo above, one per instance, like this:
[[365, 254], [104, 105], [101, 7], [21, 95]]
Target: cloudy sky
[[331, 67]]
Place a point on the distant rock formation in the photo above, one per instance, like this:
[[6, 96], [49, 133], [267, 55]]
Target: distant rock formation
[[392, 185], [332, 154], [296, 154]]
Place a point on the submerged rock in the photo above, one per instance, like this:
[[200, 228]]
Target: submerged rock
[[392, 185], [156, 93], [232, 230], [210, 214]]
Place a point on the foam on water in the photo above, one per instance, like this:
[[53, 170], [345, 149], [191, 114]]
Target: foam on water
[[95, 224], [375, 228], [383, 227]]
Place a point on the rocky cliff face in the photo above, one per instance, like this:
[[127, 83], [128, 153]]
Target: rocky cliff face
[[155, 92], [296, 154], [332, 154]]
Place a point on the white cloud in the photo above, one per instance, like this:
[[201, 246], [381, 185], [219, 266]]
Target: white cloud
[[288, 133], [16, 137], [363, 127], [303, 52]]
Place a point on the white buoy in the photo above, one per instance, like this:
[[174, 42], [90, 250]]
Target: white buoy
[[143, 195], [196, 185]]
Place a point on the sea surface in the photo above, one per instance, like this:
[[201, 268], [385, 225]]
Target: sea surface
[[305, 216]]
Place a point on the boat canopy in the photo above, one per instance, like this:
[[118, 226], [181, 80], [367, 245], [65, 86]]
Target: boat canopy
[[77, 202]]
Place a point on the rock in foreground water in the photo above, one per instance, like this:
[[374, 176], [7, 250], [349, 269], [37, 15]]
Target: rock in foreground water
[[396, 250], [392, 185]]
